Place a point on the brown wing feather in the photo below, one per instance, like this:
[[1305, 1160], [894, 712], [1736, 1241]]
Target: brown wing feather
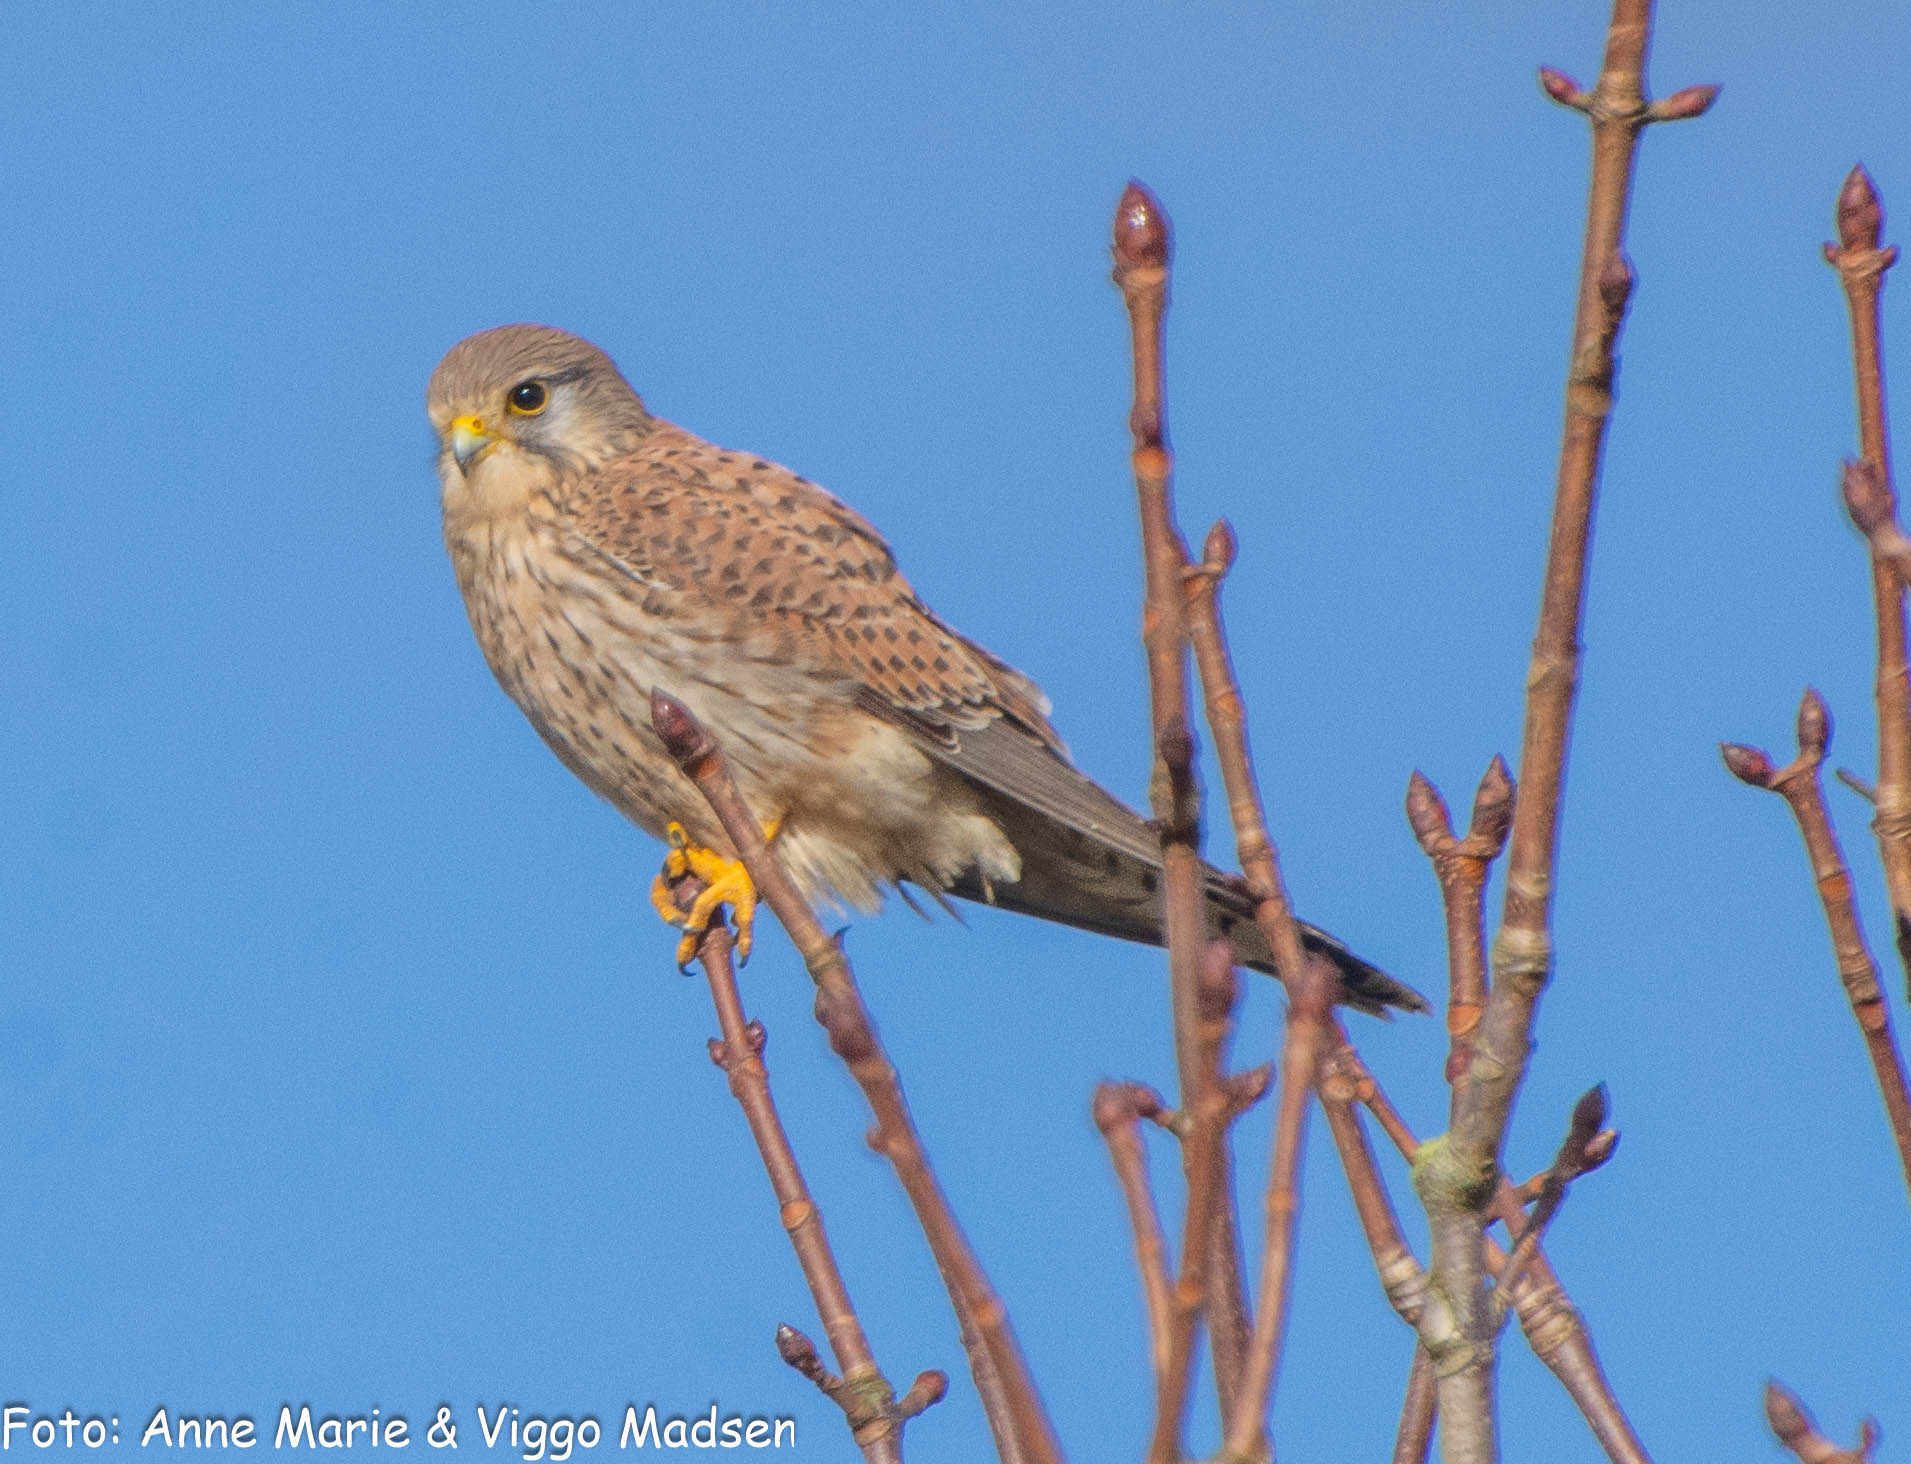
[[775, 550]]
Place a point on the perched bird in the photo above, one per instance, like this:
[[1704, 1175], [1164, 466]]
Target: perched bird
[[603, 552]]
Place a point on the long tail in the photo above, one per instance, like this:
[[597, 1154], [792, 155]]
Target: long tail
[[1098, 879]]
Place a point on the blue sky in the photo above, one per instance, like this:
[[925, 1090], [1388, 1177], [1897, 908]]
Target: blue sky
[[341, 1058]]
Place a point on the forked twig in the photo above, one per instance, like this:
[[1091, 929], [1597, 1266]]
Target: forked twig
[[1553, 1326], [1119, 1109], [1796, 1431], [1458, 1179], [869, 1403], [1142, 249], [1799, 784], [1461, 865], [1588, 1145], [1009, 1397]]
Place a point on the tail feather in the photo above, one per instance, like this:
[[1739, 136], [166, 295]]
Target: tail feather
[[1086, 880]]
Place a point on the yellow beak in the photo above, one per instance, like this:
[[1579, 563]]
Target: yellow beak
[[469, 439]]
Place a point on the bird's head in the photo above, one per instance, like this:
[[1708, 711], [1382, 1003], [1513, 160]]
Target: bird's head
[[520, 407]]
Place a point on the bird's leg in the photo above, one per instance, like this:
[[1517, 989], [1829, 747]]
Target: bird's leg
[[725, 882]]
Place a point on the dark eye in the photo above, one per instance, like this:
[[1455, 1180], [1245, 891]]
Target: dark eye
[[529, 397]]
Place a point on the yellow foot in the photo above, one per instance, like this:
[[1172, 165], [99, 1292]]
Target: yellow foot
[[725, 882]]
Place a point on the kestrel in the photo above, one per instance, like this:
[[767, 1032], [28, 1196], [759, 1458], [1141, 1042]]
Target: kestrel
[[603, 552]]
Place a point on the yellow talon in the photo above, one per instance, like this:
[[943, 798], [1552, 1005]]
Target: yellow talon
[[725, 882]]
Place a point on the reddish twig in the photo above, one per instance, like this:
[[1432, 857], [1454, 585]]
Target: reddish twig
[[1202, 1128], [1401, 1276], [1417, 1411], [1458, 1178], [1119, 1109], [1142, 249], [1461, 866], [870, 1406], [1013, 1406], [1796, 1431], [1587, 1146], [1551, 1323], [1309, 1020], [1861, 263], [1799, 783]]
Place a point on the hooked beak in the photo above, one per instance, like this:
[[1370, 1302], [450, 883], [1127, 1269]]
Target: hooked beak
[[470, 439]]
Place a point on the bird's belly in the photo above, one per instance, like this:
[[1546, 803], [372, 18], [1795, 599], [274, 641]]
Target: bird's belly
[[579, 650]]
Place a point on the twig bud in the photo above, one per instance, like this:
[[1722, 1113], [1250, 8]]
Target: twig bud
[[1860, 212], [1616, 279], [1112, 1106], [1493, 805], [1561, 88], [1747, 764], [1599, 1148], [1783, 1412], [1687, 101], [1814, 725], [1589, 1115], [682, 734], [1245, 1089], [1176, 745], [1141, 230], [1427, 812], [1868, 498], [1217, 550], [800, 1353], [925, 1392]]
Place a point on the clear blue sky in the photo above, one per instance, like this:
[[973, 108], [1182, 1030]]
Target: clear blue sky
[[341, 1058]]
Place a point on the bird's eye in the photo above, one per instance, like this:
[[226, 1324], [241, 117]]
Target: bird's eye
[[528, 398]]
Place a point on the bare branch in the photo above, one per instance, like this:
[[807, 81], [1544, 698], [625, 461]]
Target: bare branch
[[1462, 866], [1014, 1408], [1417, 1411], [1553, 1326], [1309, 1020], [1587, 1146], [1142, 249], [866, 1397], [1861, 264], [1458, 1178], [1119, 1109], [1799, 784]]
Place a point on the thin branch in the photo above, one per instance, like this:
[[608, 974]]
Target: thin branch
[[1861, 264], [1401, 1275], [1857, 785], [1457, 1179], [868, 1401], [1142, 250], [1588, 1144], [1119, 1109], [1417, 1411], [1552, 1325], [1796, 1431], [1009, 1397], [1799, 783], [1461, 866], [1309, 1019], [1203, 1129]]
